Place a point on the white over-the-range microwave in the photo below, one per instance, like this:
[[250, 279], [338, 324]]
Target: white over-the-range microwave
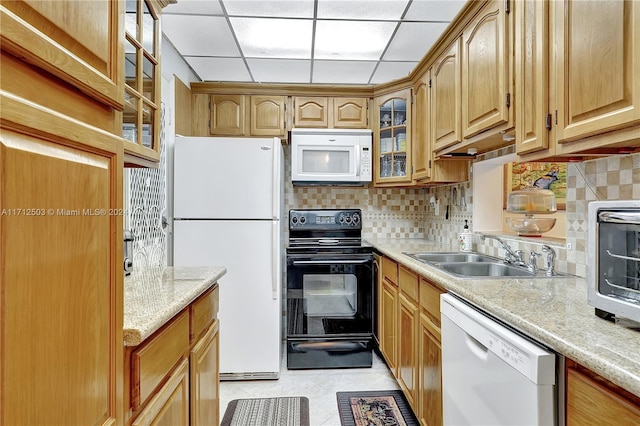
[[331, 156]]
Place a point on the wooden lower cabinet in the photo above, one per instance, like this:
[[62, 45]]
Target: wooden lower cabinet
[[170, 406], [593, 401], [408, 349], [388, 323], [176, 382], [409, 336], [430, 369], [204, 360]]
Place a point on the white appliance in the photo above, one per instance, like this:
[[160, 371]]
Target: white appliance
[[228, 202], [492, 375], [331, 156]]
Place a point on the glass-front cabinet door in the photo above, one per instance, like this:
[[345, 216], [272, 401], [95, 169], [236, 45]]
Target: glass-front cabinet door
[[392, 140], [141, 117]]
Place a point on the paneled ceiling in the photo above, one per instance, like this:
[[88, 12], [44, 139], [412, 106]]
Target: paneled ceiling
[[305, 41]]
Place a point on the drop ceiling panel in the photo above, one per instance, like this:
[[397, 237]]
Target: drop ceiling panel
[[200, 35], [352, 40], [413, 40], [280, 70], [273, 38], [434, 10], [196, 7], [342, 72], [377, 10], [219, 69], [388, 71], [274, 9]]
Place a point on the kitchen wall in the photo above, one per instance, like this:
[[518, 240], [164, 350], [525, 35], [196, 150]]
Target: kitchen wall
[[407, 213]]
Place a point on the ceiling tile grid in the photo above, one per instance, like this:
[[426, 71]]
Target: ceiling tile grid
[[305, 41]]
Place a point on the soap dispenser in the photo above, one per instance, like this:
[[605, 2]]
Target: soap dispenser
[[466, 238]]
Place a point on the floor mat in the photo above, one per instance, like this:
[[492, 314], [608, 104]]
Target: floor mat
[[375, 408], [284, 411]]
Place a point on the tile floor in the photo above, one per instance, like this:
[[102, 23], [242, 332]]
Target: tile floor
[[320, 386]]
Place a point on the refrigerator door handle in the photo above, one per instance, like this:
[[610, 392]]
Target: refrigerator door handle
[[275, 261], [275, 182]]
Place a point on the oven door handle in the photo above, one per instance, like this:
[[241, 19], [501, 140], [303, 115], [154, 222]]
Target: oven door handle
[[330, 262], [620, 217]]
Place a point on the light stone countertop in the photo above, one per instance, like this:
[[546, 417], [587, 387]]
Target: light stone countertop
[[553, 311], [153, 296]]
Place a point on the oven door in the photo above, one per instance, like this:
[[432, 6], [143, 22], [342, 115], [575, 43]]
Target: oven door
[[329, 311], [329, 295]]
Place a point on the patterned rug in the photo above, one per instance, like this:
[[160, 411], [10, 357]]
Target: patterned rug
[[286, 411], [375, 408]]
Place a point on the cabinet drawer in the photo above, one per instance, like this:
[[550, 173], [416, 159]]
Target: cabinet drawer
[[430, 299], [171, 404], [409, 283], [153, 361], [390, 270], [203, 312]]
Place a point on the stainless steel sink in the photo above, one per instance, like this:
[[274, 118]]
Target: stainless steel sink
[[484, 269], [475, 265], [452, 257]]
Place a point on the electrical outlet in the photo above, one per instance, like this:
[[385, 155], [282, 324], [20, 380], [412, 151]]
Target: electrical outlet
[[569, 246]]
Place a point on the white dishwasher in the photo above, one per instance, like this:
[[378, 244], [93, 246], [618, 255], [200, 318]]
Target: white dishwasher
[[492, 375]]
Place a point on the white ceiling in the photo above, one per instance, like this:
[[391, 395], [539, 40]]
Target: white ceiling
[[305, 41]]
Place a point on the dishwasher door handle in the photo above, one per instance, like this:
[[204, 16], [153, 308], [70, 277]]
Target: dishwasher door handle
[[477, 348]]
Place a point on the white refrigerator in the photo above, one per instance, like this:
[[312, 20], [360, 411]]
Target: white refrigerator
[[228, 202]]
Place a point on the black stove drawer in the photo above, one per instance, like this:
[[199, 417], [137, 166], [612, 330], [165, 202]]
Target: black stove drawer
[[325, 353]]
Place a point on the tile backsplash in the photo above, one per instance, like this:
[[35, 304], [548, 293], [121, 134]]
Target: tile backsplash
[[408, 213]]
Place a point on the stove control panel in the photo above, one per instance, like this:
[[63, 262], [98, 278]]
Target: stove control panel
[[325, 219]]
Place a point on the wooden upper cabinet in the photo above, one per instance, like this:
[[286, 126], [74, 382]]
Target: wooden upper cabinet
[[310, 112], [446, 110], [228, 115], [392, 149], [421, 138], [267, 115], [532, 76], [597, 78], [485, 70], [141, 118], [79, 42], [350, 113]]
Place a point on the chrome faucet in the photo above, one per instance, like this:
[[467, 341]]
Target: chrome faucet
[[510, 257], [533, 265], [551, 257]]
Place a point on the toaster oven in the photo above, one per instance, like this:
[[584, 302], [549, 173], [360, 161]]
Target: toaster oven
[[613, 275]]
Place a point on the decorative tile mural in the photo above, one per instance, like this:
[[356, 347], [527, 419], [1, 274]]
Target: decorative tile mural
[[146, 203]]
